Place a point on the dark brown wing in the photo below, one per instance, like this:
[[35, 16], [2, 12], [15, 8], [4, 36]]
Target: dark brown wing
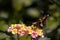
[[41, 22]]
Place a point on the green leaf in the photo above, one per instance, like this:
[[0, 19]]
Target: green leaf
[[33, 12], [44, 38], [56, 15], [17, 5], [27, 2], [3, 26], [3, 35], [51, 24], [53, 7], [25, 37], [8, 38]]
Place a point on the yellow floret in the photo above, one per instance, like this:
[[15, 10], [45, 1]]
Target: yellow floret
[[39, 32], [14, 31], [22, 24], [30, 31], [13, 25], [22, 28]]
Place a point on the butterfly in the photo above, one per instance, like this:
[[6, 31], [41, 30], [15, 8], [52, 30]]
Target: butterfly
[[41, 22]]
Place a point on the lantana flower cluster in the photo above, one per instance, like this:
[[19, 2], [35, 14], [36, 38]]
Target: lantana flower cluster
[[22, 30]]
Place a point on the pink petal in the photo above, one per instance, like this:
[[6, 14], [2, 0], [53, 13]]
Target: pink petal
[[10, 29], [42, 36], [21, 33], [34, 35]]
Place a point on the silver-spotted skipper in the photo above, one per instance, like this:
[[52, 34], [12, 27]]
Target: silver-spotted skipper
[[41, 22]]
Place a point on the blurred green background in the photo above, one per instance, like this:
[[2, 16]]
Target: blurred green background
[[27, 12]]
